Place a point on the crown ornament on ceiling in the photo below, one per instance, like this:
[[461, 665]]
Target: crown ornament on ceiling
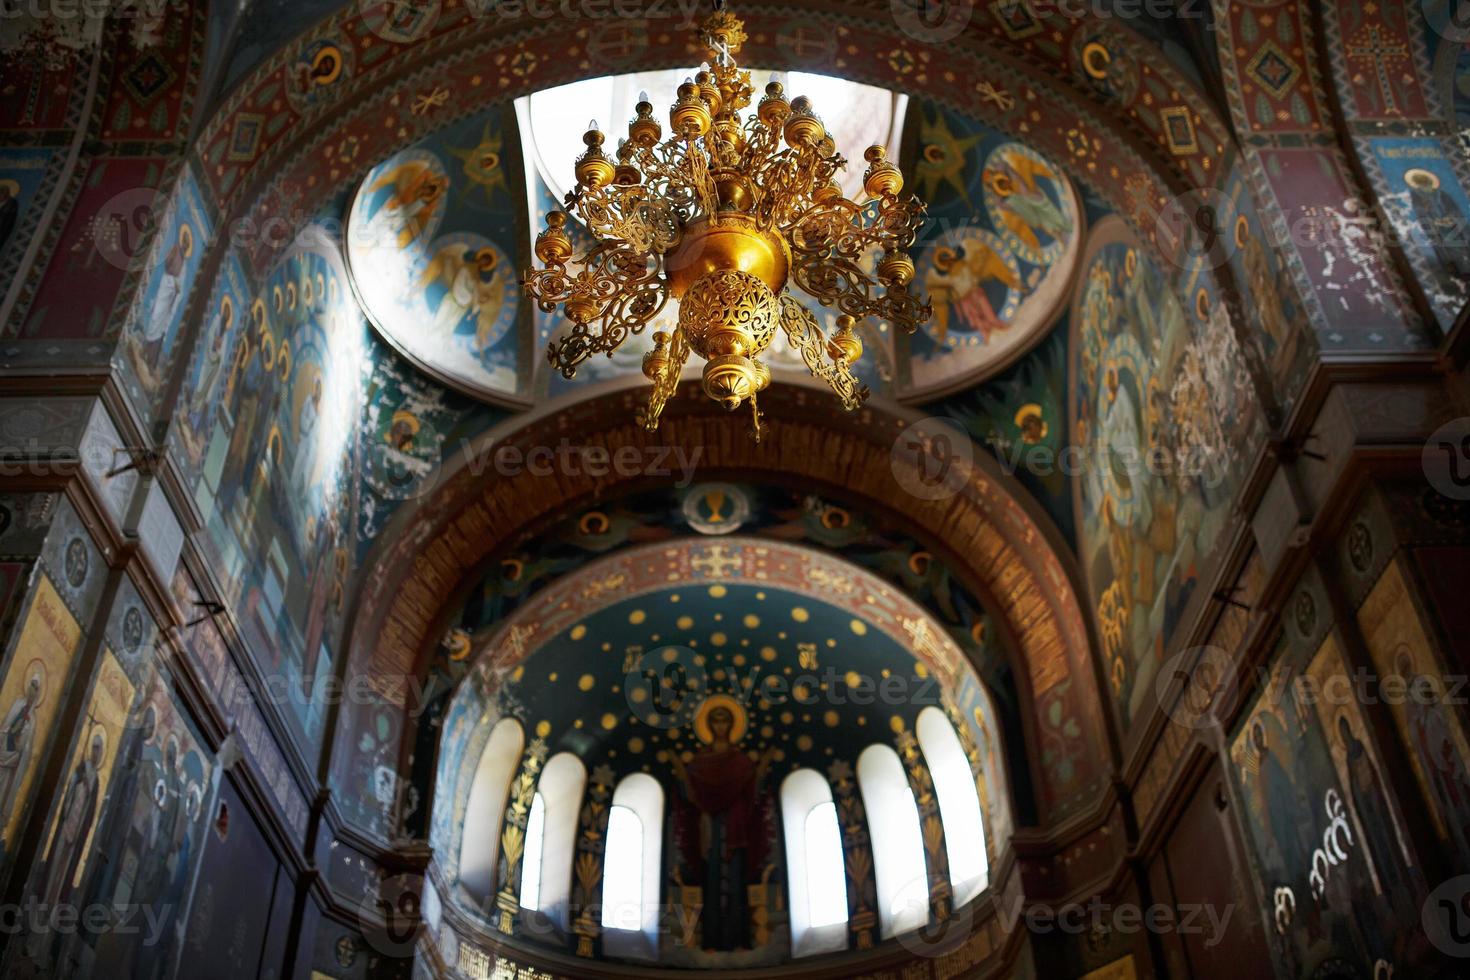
[[721, 217]]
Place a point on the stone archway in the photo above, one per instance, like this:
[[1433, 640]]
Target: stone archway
[[997, 540]]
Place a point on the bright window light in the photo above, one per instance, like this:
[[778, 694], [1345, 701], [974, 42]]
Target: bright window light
[[531, 862], [553, 120], [959, 804], [826, 879], [622, 876]]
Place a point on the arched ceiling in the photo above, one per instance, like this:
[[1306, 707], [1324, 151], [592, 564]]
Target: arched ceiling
[[437, 236], [994, 539], [1083, 91], [822, 656]]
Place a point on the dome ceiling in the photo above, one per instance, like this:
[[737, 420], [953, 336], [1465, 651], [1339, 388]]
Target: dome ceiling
[[439, 234], [821, 657]]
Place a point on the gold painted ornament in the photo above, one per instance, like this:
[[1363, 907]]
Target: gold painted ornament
[[721, 217]]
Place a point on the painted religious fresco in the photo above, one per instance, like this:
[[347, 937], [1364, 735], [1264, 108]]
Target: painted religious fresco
[[998, 253], [1422, 191], [97, 251], [37, 676], [1162, 413], [1336, 876], [71, 840], [1429, 726], [23, 172], [435, 242], [762, 629], [126, 831], [150, 334], [1277, 318], [1021, 417], [277, 487], [411, 428], [198, 411], [366, 780]]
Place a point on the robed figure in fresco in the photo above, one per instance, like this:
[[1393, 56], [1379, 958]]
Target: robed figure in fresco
[[720, 821], [16, 733]]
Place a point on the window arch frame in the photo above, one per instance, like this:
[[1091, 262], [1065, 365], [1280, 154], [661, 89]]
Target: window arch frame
[[958, 795], [479, 850], [559, 789], [900, 864], [642, 796], [802, 793]]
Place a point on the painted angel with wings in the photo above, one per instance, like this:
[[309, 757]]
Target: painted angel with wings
[[473, 284], [1025, 206], [417, 192]]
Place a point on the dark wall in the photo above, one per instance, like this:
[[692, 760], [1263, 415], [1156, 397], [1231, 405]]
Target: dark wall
[[242, 905]]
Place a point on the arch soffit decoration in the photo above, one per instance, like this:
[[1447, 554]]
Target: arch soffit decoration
[[1000, 543], [1020, 76], [562, 604]]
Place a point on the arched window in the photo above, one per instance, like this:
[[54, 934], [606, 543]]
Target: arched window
[[480, 840], [531, 869], [551, 838], [959, 804], [898, 843], [632, 863], [816, 879]]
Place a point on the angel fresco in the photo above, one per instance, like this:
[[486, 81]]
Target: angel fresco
[[470, 286], [409, 197], [961, 282], [1023, 196]]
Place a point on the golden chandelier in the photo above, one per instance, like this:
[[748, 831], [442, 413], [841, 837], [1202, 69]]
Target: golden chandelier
[[719, 216]]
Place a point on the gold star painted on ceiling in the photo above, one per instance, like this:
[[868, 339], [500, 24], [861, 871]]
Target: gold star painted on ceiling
[[942, 158], [482, 163]]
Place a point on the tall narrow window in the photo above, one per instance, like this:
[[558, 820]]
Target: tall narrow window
[[551, 841], [480, 842], [898, 843], [959, 804], [531, 862], [632, 863], [622, 891], [816, 878], [827, 894]]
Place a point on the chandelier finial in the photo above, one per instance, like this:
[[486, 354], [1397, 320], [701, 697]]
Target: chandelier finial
[[722, 33]]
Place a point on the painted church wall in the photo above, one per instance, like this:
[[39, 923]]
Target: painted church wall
[[1334, 873], [166, 276], [1395, 67], [1428, 723], [231, 921], [101, 210], [1165, 418], [37, 669], [122, 825], [1202, 865]]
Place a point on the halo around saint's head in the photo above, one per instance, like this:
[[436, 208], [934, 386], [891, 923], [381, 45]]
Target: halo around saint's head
[[737, 718]]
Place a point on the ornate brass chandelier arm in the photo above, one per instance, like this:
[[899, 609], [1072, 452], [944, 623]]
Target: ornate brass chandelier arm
[[617, 292], [663, 365], [804, 333]]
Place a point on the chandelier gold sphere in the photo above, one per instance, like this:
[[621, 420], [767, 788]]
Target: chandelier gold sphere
[[721, 217]]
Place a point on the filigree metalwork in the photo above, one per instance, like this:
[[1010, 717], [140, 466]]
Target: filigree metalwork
[[720, 216]]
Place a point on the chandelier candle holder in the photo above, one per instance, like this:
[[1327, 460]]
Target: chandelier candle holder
[[720, 217]]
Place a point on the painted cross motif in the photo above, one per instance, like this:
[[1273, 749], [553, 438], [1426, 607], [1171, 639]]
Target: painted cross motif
[[1372, 45], [717, 562]]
